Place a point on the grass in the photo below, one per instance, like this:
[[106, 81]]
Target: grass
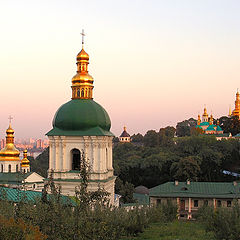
[[176, 230]]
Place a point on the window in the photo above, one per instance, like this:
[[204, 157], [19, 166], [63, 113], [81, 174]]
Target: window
[[159, 201], [76, 159], [78, 93], [1, 167], [17, 168], [205, 203], [195, 203], [219, 203], [9, 168], [229, 203], [82, 93]]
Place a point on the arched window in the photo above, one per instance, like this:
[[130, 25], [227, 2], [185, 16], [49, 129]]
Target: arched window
[[1, 167], [78, 93], [86, 92], [82, 93], [24, 170], [17, 168], [9, 168], [76, 159]]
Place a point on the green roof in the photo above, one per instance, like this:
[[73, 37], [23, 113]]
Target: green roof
[[219, 128], [211, 128], [197, 189], [16, 177], [198, 126], [204, 123], [238, 135], [17, 195], [81, 117]]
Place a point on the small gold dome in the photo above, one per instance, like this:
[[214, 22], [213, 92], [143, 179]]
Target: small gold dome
[[82, 55], [25, 162], [10, 130]]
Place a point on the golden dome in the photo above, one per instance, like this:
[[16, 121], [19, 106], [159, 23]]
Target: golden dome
[[10, 130], [25, 162], [82, 55], [9, 152], [205, 112]]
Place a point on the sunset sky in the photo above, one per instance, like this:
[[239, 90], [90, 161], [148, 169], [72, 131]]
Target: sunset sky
[[154, 63]]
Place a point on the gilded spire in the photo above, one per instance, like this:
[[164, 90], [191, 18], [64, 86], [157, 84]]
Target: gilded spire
[[82, 82], [236, 111]]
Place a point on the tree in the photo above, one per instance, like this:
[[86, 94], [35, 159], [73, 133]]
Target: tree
[[151, 139], [183, 128], [138, 138], [188, 168]]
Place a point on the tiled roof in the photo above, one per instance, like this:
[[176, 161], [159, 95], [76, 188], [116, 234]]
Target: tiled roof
[[197, 189]]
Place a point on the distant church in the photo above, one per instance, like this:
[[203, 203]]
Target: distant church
[[15, 172], [81, 127], [207, 126], [125, 136], [236, 111]]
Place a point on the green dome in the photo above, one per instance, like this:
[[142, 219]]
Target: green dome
[[81, 117]]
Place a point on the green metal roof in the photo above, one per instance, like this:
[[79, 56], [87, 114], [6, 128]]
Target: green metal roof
[[211, 128], [219, 128], [81, 117], [197, 189], [17, 195], [16, 177], [198, 126], [204, 123], [238, 135]]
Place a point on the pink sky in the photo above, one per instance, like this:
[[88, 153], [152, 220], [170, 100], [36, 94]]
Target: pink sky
[[154, 63]]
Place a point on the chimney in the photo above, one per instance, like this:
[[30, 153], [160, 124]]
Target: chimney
[[188, 182], [176, 182]]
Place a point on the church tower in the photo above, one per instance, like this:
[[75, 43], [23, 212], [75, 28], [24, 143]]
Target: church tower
[[236, 111], [81, 127], [9, 155], [205, 115]]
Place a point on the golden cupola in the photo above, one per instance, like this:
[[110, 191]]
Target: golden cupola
[[9, 152], [236, 111], [82, 82], [211, 120], [205, 115], [25, 162], [199, 120]]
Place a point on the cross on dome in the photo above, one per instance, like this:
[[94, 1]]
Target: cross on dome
[[83, 35], [10, 119]]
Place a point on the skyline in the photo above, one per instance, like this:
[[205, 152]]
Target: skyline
[[154, 63]]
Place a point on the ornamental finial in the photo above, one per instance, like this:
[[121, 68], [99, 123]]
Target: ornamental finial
[[83, 35]]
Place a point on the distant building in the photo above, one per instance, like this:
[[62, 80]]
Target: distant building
[[207, 127], [190, 196], [15, 172], [236, 111], [124, 137]]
